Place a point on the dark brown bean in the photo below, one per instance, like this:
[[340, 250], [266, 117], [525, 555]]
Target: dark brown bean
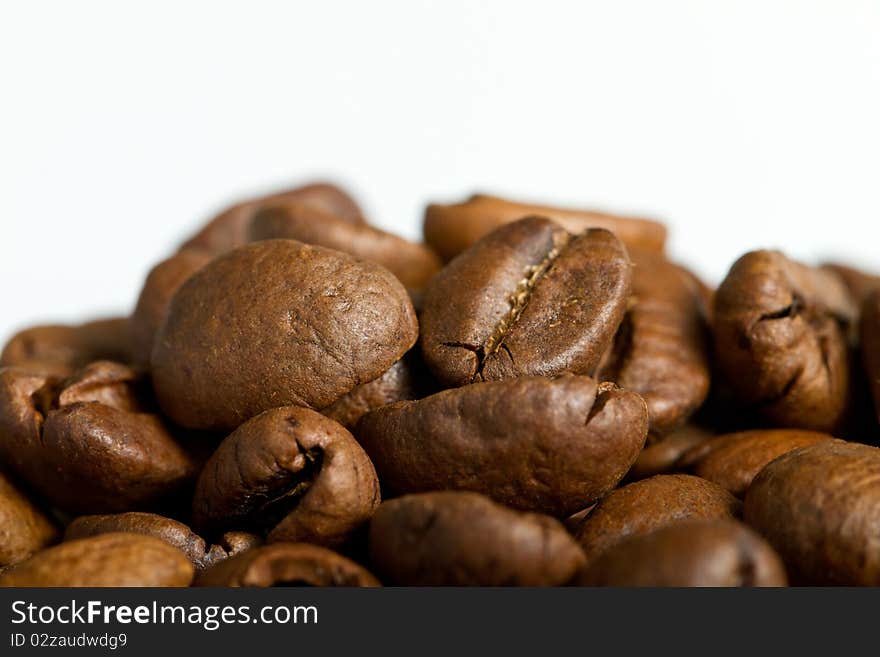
[[277, 323], [24, 528], [454, 538], [287, 564], [527, 299], [689, 553], [647, 505], [292, 469], [660, 350], [450, 229], [88, 448], [413, 264], [733, 460], [60, 350], [168, 530], [819, 506], [780, 337], [870, 339], [536, 444], [106, 560], [228, 230], [662, 457], [152, 305]]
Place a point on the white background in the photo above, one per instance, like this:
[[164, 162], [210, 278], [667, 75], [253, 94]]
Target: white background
[[743, 124]]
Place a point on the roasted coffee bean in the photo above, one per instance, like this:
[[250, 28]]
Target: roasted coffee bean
[[859, 282], [450, 229], [527, 299], [465, 539], [662, 457], [277, 323], [87, 447], [660, 350], [413, 264], [229, 229], [24, 528], [870, 339], [287, 564], [171, 531], [647, 505], [689, 553], [733, 460], [106, 560], [536, 444], [59, 350], [780, 336], [407, 379], [152, 304], [292, 469], [818, 506]]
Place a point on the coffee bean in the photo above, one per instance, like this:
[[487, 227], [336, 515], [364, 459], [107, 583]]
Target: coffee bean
[[860, 283], [660, 350], [647, 505], [277, 323], [413, 264], [450, 229], [733, 460], [689, 553], [407, 379], [287, 564], [870, 338], [24, 528], [293, 470], [780, 335], [229, 229], [152, 304], [528, 299], [818, 506], [662, 457], [60, 350], [105, 560], [536, 444], [103, 452], [170, 531], [464, 539]]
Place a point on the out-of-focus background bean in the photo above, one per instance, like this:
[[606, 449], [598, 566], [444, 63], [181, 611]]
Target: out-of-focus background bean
[[122, 127]]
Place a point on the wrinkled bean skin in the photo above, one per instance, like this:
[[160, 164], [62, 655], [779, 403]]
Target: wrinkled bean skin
[[660, 351], [733, 460], [170, 531], [451, 229], [103, 454], [464, 539], [277, 323], [663, 456], [287, 564], [24, 528], [870, 338], [780, 336], [647, 505], [528, 299], [60, 350], [292, 469], [413, 264], [818, 507], [407, 379], [152, 304], [105, 560], [535, 444], [691, 553], [229, 229]]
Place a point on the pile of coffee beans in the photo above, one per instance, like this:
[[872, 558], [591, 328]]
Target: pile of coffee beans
[[535, 396]]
